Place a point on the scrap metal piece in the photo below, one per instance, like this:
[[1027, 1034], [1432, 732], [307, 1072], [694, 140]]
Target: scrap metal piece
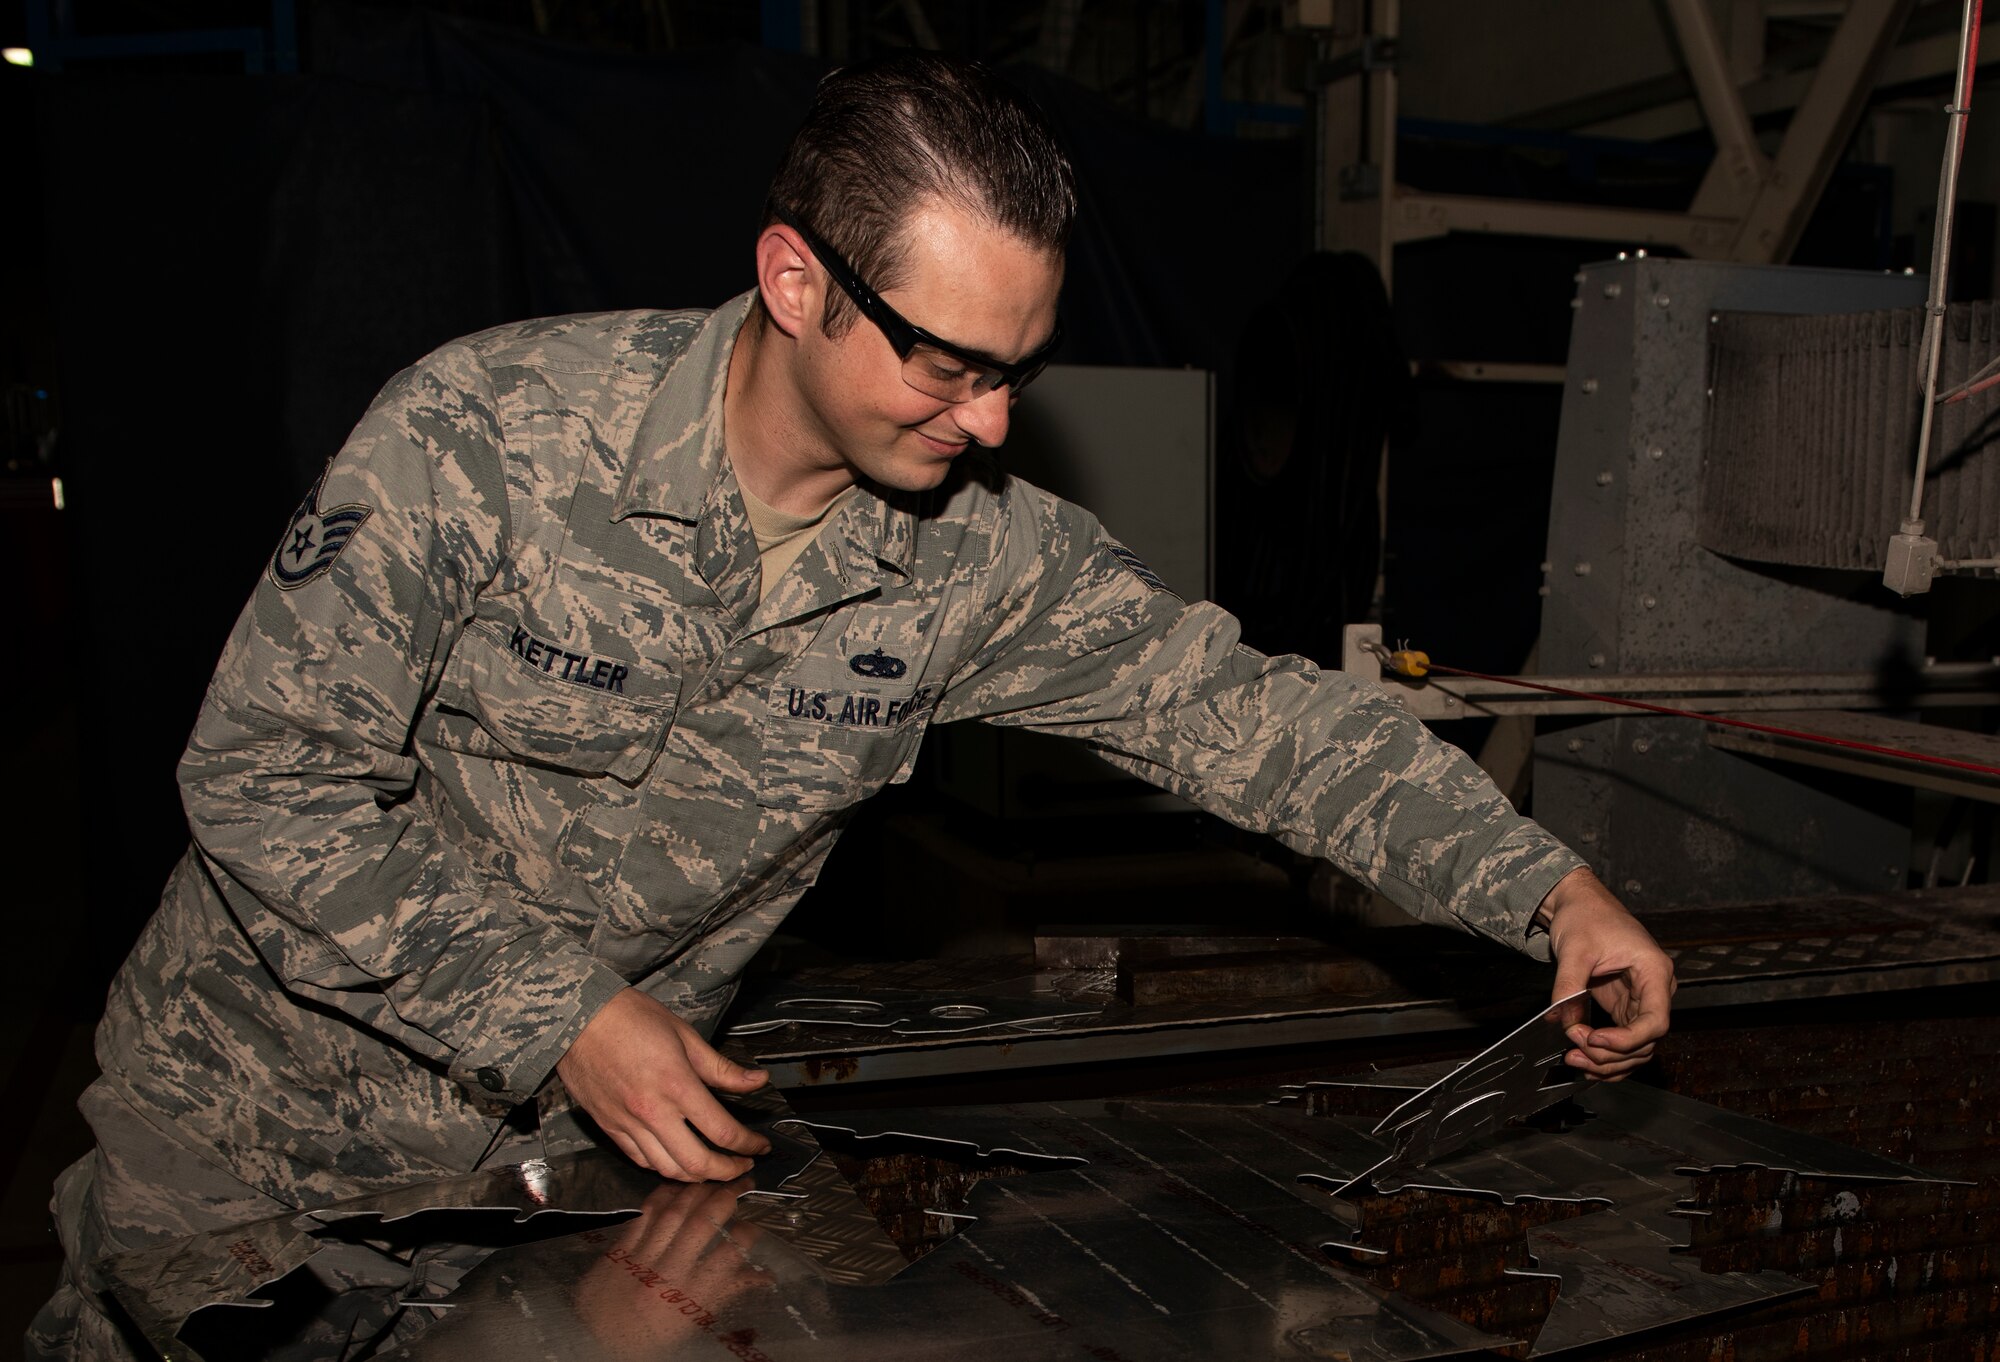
[[1514, 1077]]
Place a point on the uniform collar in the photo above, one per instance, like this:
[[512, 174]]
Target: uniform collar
[[677, 452], [678, 462]]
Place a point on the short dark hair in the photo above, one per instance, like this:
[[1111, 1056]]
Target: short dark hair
[[887, 134]]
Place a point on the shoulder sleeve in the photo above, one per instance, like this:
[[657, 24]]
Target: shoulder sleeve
[[298, 778], [1086, 642]]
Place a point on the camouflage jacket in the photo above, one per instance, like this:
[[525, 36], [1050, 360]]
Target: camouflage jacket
[[505, 729]]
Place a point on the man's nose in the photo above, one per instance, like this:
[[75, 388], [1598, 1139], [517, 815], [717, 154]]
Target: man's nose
[[985, 417]]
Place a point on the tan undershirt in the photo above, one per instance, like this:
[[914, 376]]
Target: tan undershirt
[[781, 538]]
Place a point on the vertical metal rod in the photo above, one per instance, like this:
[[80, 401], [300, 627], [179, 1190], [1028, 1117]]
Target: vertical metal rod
[[1954, 144]]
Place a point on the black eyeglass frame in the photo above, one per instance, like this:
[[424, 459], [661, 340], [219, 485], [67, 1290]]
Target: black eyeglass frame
[[904, 335]]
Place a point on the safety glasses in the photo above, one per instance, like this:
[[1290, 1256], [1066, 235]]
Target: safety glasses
[[931, 364]]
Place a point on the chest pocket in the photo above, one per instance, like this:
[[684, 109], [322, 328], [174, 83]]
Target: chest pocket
[[507, 695], [847, 718]]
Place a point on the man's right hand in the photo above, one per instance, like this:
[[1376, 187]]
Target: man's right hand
[[644, 1076]]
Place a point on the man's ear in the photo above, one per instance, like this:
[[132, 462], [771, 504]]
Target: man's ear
[[791, 288]]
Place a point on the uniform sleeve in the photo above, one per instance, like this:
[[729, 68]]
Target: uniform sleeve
[[298, 779], [1085, 642]]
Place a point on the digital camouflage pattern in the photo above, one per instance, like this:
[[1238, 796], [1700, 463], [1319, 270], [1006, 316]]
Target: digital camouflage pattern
[[525, 736]]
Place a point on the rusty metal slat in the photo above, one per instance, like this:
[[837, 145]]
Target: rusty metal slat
[[1756, 1194], [1812, 1250], [1769, 1102], [1954, 1319]]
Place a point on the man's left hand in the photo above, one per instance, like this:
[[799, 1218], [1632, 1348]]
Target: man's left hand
[[1600, 946]]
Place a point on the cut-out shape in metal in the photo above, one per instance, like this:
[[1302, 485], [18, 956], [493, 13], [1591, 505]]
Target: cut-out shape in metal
[[1517, 1076], [912, 1014]]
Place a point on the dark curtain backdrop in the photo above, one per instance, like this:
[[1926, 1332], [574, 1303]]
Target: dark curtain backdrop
[[237, 263]]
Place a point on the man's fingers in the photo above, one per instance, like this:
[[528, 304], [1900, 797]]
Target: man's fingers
[[628, 1147], [702, 1163], [706, 1114], [666, 1160], [717, 1071], [1571, 978]]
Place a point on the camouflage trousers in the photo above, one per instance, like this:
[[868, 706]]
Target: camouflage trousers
[[141, 1188]]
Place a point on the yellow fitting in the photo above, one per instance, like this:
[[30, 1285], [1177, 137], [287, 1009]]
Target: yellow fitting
[[1409, 662]]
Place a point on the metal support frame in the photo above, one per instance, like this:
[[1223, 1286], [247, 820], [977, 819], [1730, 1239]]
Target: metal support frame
[[1819, 130], [1357, 143], [1749, 208], [1740, 168], [1920, 59]]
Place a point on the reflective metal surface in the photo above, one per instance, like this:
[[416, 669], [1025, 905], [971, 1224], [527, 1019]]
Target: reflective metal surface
[[1109, 1229], [1174, 1238], [1515, 1077]]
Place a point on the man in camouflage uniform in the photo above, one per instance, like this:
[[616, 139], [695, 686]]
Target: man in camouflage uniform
[[523, 746]]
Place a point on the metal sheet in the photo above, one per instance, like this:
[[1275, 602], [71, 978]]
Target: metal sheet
[[1176, 1239], [1154, 1229], [160, 1288]]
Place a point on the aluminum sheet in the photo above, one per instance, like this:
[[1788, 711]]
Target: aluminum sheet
[[1180, 1235]]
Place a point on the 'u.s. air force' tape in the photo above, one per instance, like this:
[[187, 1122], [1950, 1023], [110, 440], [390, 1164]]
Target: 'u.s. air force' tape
[[315, 540]]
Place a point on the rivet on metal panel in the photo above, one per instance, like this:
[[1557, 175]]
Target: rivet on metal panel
[[1613, 290], [1650, 602], [1662, 300], [1582, 568], [1576, 302], [1589, 386], [1632, 886], [1597, 659], [1575, 744], [1588, 836], [1542, 590], [1604, 477], [1546, 565], [1642, 746], [1656, 453]]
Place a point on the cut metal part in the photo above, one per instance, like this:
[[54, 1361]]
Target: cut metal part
[[1517, 1076], [1009, 1004]]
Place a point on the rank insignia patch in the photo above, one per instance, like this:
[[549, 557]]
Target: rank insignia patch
[[1138, 566], [315, 540]]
